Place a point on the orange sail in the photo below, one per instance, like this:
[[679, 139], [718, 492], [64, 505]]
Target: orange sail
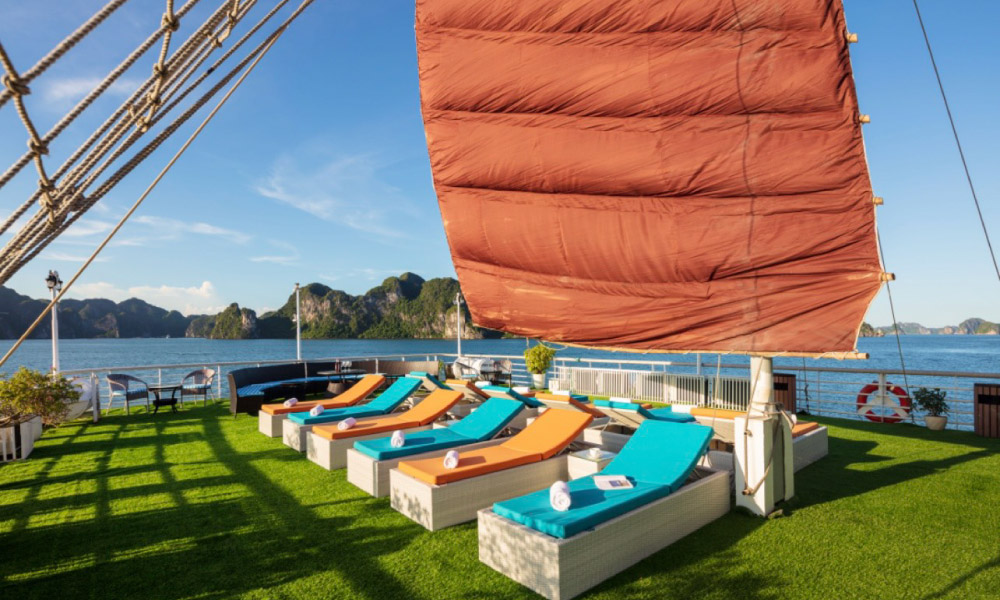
[[679, 175]]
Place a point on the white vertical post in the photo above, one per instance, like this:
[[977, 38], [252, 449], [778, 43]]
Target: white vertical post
[[763, 444], [55, 285], [698, 364], [298, 325], [458, 321], [95, 385]]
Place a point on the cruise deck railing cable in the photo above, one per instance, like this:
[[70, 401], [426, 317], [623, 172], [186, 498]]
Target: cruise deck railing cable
[[958, 142], [895, 325], [258, 54]]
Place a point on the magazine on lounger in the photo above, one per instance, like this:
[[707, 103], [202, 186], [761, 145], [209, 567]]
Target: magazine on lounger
[[612, 482]]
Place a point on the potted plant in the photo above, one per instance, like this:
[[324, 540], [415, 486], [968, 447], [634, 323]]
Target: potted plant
[[28, 400], [537, 360], [932, 402]]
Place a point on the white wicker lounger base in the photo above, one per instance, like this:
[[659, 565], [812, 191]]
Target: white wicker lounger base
[[295, 435], [563, 568], [439, 506], [332, 454], [810, 447], [270, 425], [372, 476]]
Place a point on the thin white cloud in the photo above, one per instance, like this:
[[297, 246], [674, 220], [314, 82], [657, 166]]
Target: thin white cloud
[[200, 299], [69, 90], [290, 256], [165, 228], [345, 191], [86, 227], [66, 257]]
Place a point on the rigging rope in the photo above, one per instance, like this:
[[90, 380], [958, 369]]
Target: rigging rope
[[958, 142], [64, 46], [260, 52], [895, 323], [155, 98]]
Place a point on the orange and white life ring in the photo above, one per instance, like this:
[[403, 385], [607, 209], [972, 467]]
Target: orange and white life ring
[[895, 403]]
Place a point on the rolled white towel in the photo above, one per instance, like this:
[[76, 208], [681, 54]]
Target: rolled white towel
[[559, 496], [620, 399], [451, 459], [291, 402], [398, 439], [347, 423], [316, 410], [794, 418]]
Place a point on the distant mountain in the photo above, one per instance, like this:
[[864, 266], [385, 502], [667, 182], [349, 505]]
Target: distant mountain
[[974, 326], [402, 307], [90, 318]]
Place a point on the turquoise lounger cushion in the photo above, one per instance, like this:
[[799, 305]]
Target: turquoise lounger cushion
[[484, 423], [665, 414], [385, 403], [510, 392], [657, 460], [487, 420], [432, 378], [658, 414], [416, 443]]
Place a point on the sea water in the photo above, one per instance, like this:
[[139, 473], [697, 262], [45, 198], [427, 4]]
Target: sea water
[[830, 393], [968, 353]]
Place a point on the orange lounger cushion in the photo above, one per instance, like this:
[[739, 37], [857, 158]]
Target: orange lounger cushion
[[544, 438], [717, 413], [428, 411], [470, 464], [461, 384], [804, 427], [549, 433], [357, 392]]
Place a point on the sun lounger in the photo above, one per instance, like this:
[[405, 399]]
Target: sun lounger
[[498, 391], [633, 415], [436, 497], [327, 446], [430, 382], [569, 402], [809, 440], [562, 554], [468, 389], [369, 462], [298, 425], [271, 416]]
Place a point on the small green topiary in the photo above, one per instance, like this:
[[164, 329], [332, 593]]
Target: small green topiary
[[538, 359], [931, 401], [27, 393]]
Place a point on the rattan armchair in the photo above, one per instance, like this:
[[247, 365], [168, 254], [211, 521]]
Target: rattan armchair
[[128, 388], [198, 383]]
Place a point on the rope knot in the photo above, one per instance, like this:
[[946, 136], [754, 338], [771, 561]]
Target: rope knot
[[15, 85], [38, 147], [160, 70], [170, 21]]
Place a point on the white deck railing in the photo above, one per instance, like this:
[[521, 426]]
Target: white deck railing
[[826, 391]]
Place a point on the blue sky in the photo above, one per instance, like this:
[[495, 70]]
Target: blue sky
[[316, 170]]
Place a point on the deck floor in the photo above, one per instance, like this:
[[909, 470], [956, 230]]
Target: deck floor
[[197, 504]]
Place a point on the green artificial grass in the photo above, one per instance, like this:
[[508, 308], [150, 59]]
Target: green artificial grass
[[197, 504]]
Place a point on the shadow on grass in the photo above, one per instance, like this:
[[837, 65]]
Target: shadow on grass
[[957, 583], [211, 537], [832, 477]]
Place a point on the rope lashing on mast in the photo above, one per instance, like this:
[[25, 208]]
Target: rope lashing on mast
[[76, 186], [255, 56], [958, 141]]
